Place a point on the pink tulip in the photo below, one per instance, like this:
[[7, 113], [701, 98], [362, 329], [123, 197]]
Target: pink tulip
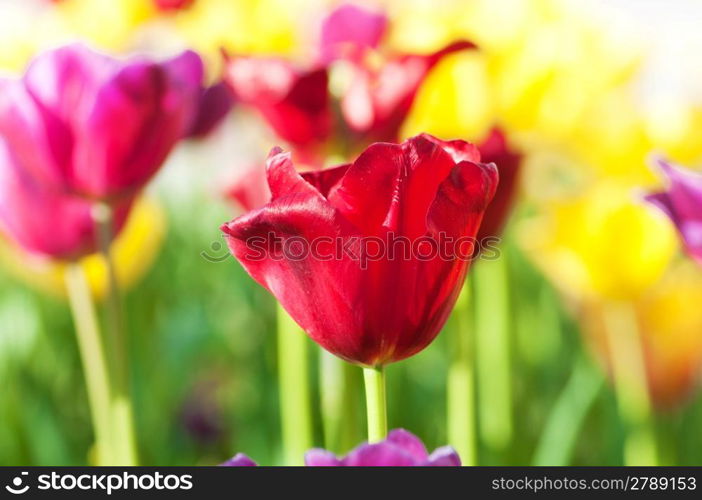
[[91, 125], [42, 221]]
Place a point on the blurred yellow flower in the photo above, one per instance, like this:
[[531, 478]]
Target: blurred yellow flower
[[25, 28], [546, 61], [669, 322], [601, 244], [109, 24], [134, 252], [240, 26], [454, 100]]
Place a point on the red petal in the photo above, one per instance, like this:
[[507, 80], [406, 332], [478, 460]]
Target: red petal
[[495, 150]]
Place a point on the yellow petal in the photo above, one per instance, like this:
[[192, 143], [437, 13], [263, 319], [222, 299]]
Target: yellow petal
[[603, 244]]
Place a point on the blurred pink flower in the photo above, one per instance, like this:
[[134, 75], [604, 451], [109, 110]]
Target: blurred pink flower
[[95, 126], [43, 221], [349, 31]]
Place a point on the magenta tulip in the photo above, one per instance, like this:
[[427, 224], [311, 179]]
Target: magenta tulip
[[42, 221], [95, 126]]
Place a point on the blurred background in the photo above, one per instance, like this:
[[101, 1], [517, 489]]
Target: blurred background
[[584, 90]]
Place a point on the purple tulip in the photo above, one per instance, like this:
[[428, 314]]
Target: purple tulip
[[239, 460], [400, 449], [214, 103], [682, 202], [95, 126], [42, 221]]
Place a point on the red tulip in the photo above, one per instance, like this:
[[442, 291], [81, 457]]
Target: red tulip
[[496, 150], [250, 189], [95, 126], [383, 88], [355, 253], [43, 221], [294, 102], [172, 5]]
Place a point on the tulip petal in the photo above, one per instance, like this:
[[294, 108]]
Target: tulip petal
[[349, 30], [294, 103], [382, 454], [401, 448], [214, 104], [496, 150], [249, 189], [685, 190], [321, 458], [40, 140], [378, 101], [42, 220], [239, 460], [445, 456], [66, 80], [96, 126], [263, 240], [375, 192], [682, 203], [147, 102], [327, 179], [408, 442]]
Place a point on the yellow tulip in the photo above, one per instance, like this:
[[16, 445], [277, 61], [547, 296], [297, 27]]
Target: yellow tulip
[[669, 323], [134, 251], [109, 24], [454, 100], [240, 26], [601, 244]]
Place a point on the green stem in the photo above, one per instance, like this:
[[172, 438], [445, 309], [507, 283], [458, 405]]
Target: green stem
[[493, 357], [460, 391], [558, 438], [332, 395], [124, 439], [92, 356], [376, 405], [293, 384], [629, 371]]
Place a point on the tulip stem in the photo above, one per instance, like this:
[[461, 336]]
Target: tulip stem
[[121, 406], [492, 351], [629, 372], [333, 397], [92, 354], [376, 405], [294, 389], [460, 390]]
